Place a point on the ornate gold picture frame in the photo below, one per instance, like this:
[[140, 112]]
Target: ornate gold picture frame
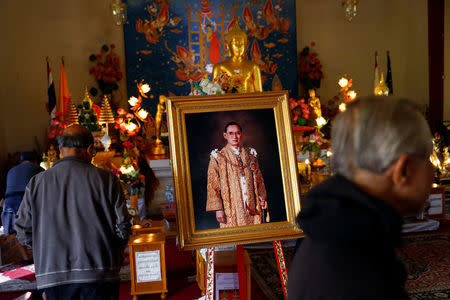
[[196, 135]]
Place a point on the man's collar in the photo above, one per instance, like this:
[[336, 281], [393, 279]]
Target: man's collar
[[72, 158], [236, 150]]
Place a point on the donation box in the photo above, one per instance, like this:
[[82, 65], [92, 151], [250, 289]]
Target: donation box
[[148, 264]]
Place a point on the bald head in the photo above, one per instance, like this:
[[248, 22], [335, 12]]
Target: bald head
[[76, 129], [76, 140]]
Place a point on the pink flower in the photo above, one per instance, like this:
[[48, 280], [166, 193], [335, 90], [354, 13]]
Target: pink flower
[[128, 144], [292, 103]]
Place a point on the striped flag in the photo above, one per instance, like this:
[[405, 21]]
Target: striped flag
[[376, 76], [389, 75], [64, 95], [51, 95]]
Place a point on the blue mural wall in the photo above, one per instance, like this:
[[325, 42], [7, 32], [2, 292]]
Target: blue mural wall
[[169, 44]]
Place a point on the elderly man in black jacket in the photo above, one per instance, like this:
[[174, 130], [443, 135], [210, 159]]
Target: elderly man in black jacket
[[74, 216], [352, 222]]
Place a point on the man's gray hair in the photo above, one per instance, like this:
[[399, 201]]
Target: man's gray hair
[[375, 131], [80, 140]]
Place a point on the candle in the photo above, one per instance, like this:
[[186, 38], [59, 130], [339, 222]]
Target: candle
[[307, 169]]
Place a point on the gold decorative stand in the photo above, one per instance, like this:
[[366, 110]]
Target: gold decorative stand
[[281, 265]]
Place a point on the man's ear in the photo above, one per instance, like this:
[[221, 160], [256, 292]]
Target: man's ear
[[401, 169], [225, 135], [60, 151]]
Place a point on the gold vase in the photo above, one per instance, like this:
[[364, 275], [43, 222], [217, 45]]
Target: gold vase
[[134, 205], [313, 156], [297, 143]]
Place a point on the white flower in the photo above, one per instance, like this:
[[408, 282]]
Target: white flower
[[321, 122], [214, 153], [209, 68], [215, 90], [253, 152]]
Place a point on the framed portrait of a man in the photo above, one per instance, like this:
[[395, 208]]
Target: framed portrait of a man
[[234, 168]]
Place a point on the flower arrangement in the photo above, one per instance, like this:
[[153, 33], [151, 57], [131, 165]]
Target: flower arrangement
[[346, 83], [107, 69], [137, 128], [339, 101], [309, 68], [134, 138], [130, 131], [299, 112], [330, 110], [129, 175], [206, 87], [126, 123], [56, 127], [313, 143], [230, 84]]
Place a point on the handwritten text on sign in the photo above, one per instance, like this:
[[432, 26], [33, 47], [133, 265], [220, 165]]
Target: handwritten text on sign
[[148, 266]]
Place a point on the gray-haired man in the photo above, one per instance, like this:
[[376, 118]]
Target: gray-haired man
[[381, 148], [75, 218]]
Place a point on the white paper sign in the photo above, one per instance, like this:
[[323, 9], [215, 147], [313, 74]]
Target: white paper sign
[[226, 281], [148, 266], [435, 204]]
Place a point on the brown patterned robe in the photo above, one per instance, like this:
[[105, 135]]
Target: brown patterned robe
[[224, 187]]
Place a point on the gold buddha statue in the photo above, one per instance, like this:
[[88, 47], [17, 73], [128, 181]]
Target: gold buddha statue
[[238, 66], [314, 102], [158, 148]]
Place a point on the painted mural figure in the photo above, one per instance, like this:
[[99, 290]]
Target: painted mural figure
[[236, 190], [238, 66]]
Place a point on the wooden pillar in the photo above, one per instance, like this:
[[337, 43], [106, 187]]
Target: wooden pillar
[[436, 13]]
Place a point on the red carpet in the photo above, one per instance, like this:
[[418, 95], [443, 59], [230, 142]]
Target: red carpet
[[427, 258], [177, 284]]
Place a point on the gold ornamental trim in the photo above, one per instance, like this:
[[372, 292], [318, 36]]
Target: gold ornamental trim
[[210, 274], [281, 265]]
